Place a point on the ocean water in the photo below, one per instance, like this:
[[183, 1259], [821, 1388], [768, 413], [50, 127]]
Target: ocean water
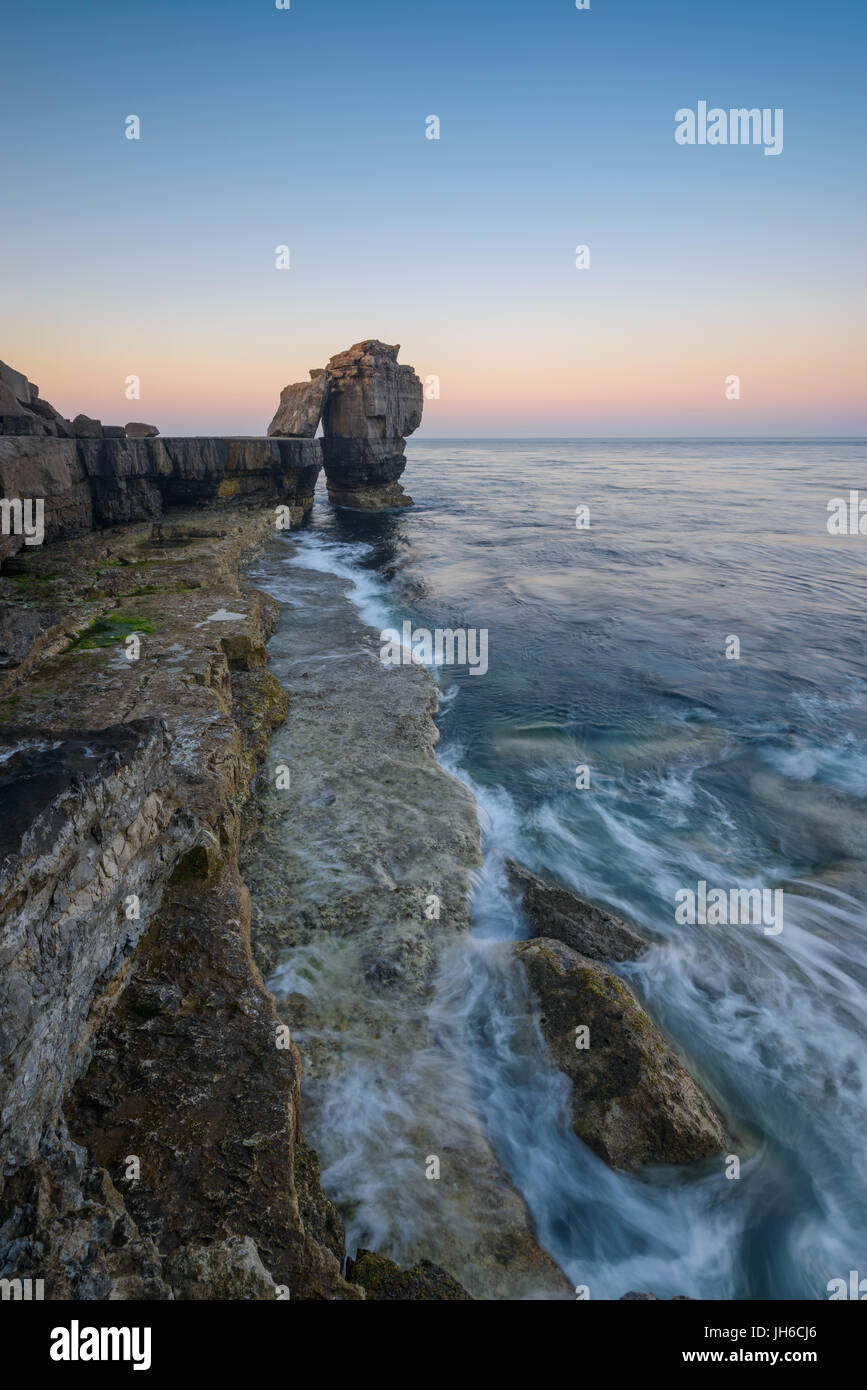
[[607, 650]]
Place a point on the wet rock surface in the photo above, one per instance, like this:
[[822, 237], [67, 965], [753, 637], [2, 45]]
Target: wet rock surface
[[359, 877], [556, 913], [383, 1281], [633, 1102]]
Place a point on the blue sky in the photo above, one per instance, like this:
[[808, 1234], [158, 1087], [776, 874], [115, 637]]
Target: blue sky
[[306, 127]]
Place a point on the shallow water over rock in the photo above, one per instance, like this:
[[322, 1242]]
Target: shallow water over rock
[[359, 878]]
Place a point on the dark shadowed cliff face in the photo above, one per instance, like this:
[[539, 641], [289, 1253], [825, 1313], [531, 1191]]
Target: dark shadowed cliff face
[[87, 484]]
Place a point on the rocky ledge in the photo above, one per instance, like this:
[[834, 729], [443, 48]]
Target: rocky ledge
[[86, 475], [148, 1103]]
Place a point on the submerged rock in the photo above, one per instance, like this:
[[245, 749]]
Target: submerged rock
[[633, 1102], [563, 916], [359, 880], [382, 1280]]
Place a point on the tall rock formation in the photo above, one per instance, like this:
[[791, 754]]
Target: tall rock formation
[[372, 404], [368, 404]]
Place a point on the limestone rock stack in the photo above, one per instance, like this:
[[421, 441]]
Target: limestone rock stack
[[368, 403]]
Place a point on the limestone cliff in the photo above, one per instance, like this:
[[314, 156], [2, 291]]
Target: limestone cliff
[[88, 476]]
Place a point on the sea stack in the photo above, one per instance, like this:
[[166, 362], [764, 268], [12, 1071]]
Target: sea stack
[[368, 404]]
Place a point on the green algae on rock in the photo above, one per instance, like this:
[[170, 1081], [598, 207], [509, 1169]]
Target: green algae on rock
[[384, 1281]]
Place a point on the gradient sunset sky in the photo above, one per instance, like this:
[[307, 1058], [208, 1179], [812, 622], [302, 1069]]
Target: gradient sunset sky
[[306, 127]]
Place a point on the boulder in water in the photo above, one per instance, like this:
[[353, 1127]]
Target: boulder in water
[[555, 912], [633, 1102]]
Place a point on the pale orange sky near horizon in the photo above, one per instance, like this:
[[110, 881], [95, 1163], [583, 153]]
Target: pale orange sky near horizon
[[650, 385]]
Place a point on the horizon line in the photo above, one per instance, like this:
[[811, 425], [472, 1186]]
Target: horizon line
[[653, 438]]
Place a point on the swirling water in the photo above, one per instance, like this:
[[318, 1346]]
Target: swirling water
[[607, 649]]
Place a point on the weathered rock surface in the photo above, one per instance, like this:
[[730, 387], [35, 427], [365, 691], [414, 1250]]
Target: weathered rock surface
[[134, 1020], [85, 428], [87, 475], [230, 1269], [633, 1102], [563, 916], [382, 1280], [84, 824], [301, 406], [95, 482], [372, 404], [22, 411], [63, 1220]]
